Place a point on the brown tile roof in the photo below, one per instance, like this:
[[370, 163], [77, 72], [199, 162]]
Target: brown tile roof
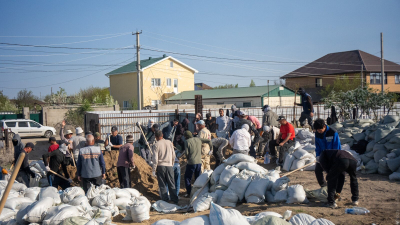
[[343, 62]]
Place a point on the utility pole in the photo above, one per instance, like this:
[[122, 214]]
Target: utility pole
[[382, 66], [268, 92], [139, 86], [362, 77], [51, 90]]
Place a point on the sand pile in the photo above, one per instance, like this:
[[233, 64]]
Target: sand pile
[[141, 177]]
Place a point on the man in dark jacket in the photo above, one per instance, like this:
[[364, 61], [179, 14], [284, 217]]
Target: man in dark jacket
[[335, 163], [211, 123], [149, 135], [18, 145], [52, 161], [308, 109], [325, 138], [24, 173]]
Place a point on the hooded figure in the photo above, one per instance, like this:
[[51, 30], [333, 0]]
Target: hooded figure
[[18, 145], [241, 140]]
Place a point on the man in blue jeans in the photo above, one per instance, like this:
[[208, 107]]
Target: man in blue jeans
[[177, 175]]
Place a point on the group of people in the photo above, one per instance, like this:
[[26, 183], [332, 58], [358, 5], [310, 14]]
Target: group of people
[[162, 145]]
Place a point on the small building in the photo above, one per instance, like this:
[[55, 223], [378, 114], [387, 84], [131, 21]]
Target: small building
[[353, 64], [160, 78], [201, 86], [273, 95]]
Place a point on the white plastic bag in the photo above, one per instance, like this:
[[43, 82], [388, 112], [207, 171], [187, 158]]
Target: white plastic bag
[[221, 216], [165, 207]]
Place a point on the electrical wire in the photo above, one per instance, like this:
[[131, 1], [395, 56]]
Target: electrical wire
[[98, 35]]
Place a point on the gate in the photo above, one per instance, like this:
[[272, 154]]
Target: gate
[[36, 117]]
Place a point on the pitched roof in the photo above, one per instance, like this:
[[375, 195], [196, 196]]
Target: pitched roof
[[131, 67], [240, 92], [343, 62], [201, 86]]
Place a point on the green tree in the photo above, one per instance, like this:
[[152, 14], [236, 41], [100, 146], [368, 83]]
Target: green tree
[[342, 83], [76, 116], [252, 83], [226, 86], [6, 105], [25, 98]]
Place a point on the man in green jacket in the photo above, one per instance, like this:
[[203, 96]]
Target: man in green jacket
[[193, 153]]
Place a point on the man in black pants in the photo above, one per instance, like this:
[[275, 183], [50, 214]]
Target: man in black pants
[[57, 158], [335, 163], [24, 173], [285, 140]]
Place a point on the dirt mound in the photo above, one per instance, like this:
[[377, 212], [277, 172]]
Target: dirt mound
[[141, 177]]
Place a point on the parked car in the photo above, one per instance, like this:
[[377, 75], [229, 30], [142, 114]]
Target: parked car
[[27, 128]]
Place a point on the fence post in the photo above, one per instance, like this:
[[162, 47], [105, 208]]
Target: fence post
[[177, 114], [354, 113]]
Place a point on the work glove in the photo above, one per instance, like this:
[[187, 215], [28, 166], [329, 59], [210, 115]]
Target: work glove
[[132, 168], [47, 169], [138, 124], [70, 180]]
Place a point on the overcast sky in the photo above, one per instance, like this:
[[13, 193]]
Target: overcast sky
[[289, 32]]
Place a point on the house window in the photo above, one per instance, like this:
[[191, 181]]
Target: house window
[[375, 78], [168, 82], [156, 82], [126, 104], [318, 82], [246, 104], [155, 102], [397, 78], [171, 64]]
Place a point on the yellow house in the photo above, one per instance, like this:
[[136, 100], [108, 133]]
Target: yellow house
[[160, 78]]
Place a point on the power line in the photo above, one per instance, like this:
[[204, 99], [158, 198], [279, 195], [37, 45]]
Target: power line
[[98, 35]]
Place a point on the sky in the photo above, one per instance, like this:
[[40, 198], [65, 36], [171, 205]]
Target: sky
[[83, 40]]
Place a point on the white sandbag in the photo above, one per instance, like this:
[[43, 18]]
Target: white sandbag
[[309, 148], [251, 167], [202, 179], [102, 213], [355, 155], [83, 201], [298, 163], [121, 203], [382, 133], [217, 173], [268, 213], [203, 203], [365, 159], [348, 123], [198, 220], [378, 147], [92, 222], [140, 211], [95, 191], [70, 193], [301, 154], [229, 198], [51, 212], [134, 193], [371, 167], [65, 213], [395, 176], [221, 216], [32, 193], [227, 175], [359, 136], [281, 196], [7, 214], [349, 141], [281, 183], [104, 201], [219, 194], [311, 167], [237, 158], [269, 197], [379, 155], [51, 192], [121, 193], [196, 192], [288, 162], [38, 211], [166, 222], [390, 119], [18, 187], [255, 192], [164, 207], [391, 146], [383, 168], [240, 183], [336, 126], [370, 146], [15, 203], [12, 194], [302, 219], [304, 134], [322, 221], [394, 164], [296, 194], [34, 182], [23, 210]]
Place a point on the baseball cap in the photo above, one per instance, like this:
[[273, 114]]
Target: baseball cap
[[69, 132], [201, 122], [29, 144], [52, 139], [281, 118], [114, 128]]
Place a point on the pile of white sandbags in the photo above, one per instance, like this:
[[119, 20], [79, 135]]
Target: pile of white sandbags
[[240, 179], [382, 154], [221, 216], [48, 206]]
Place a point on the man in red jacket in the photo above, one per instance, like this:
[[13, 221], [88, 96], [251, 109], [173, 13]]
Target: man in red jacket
[[285, 140]]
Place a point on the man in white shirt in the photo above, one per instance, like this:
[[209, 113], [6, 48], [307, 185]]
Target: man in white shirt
[[223, 123], [241, 140]]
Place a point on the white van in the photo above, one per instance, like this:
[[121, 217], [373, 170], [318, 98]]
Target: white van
[[27, 128]]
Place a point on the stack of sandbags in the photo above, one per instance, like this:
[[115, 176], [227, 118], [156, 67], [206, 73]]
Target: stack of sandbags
[[281, 192], [298, 159]]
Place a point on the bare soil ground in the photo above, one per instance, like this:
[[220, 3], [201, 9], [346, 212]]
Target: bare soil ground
[[377, 193]]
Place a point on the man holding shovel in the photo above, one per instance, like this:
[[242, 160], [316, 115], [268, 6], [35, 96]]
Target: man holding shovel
[[52, 161]]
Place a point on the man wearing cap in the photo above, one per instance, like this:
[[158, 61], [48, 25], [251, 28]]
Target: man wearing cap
[[308, 109], [52, 160], [193, 146], [163, 162], [285, 140], [125, 162], [65, 138], [204, 133], [77, 142], [53, 144], [25, 173], [115, 140], [241, 140], [91, 168]]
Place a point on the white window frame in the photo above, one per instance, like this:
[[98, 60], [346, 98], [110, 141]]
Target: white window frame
[[171, 64], [169, 82], [126, 104], [155, 82], [316, 82], [373, 77], [397, 78]]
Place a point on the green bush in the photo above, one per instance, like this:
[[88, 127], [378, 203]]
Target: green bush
[[76, 117]]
